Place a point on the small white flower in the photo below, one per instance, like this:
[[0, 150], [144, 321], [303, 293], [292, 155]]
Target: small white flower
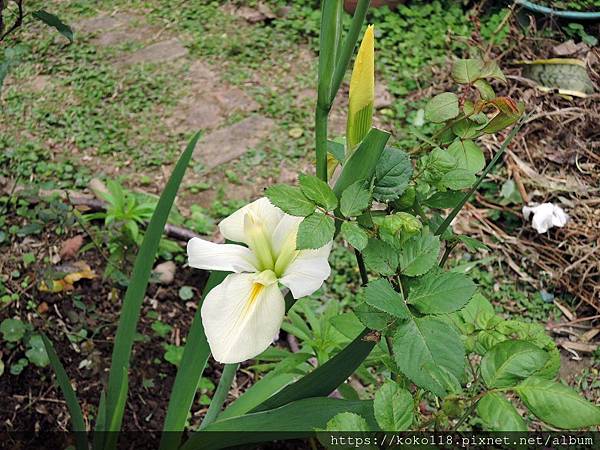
[[243, 314], [545, 216]]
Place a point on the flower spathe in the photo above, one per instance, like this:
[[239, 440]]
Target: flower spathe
[[243, 314]]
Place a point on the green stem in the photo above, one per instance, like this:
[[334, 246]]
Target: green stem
[[447, 252], [361, 267], [331, 25], [321, 118], [487, 170], [348, 47], [220, 394]]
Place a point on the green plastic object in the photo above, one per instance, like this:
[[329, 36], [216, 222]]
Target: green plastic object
[[573, 15]]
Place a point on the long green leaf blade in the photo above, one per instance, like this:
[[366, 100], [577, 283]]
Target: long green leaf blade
[[294, 420], [69, 394], [193, 362], [137, 287], [323, 380], [361, 164]]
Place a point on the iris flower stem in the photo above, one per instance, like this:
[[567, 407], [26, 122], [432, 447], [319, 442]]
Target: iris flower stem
[[321, 118], [220, 396]]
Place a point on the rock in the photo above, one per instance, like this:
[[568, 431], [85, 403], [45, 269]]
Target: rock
[[233, 141], [569, 48], [207, 109], [101, 23], [165, 272], [70, 247], [98, 187], [160, 52]]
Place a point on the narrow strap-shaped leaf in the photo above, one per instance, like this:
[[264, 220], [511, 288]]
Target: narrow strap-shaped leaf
[[193, 362], [100, 428], [294, 420], [326, 378], [329, 41], [137, 288], [114, 426], [345, 53], [70, 397]]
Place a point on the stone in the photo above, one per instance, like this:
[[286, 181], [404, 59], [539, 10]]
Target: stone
[[165, 272], [233, 141], [103, 22], [208, 106], [160, 52], [120, 35]]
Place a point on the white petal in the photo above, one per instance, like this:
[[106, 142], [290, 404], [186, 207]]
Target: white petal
[[307, 272], [241, 318], [545, 216], [228, 257], [288, 225], [232, 227]]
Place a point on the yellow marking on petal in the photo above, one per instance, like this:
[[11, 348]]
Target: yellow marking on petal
[[264, 279]]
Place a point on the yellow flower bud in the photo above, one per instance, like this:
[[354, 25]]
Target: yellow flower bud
[[362, 92]]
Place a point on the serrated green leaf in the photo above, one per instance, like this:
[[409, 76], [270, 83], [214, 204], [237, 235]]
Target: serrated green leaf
[[380, 257], [428, 342], [290, 199], [318, 191], [355, 199], [393, 407], [355, 235], [472, 244], [442, 107], [468, 155], [381, 295], [466, 129], [372, 318], [457, 179], [441, 293], [392, 174], [509, 362], [557, 404], [499, 414], [443, 200], [315, 231], [419, 254], [466, 71], [347, 422], [490, 69], [485, 89]]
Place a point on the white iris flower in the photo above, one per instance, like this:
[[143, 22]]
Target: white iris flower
[[243, 314]]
